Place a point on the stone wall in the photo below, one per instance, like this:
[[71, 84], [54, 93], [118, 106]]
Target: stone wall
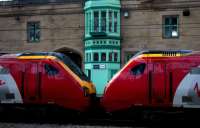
[[62, 25], [143, 28]]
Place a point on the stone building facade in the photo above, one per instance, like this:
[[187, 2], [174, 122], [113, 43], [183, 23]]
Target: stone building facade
[[149, 23]]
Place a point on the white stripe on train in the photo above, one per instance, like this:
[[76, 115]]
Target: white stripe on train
[[9, 87], [187, 94]]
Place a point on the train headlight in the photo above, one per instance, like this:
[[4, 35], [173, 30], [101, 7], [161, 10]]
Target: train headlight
[[93, 87]]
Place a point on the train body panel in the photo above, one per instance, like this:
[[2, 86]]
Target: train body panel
[[43, 80], [155, 80]]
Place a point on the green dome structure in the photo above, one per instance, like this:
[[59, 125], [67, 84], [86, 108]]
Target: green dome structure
[[102, 41]]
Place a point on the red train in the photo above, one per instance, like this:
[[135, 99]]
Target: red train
[[156, 79], [44, 78]]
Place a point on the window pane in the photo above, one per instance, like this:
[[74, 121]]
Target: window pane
[[89, 57], [103, 22], [110, 56], [167, 32], [103, 56], [139, 69], [110, 21], [115, 57], [86, 58], [96, 57], [115, 21], [96, 21], [89, 74], [167, 22], [174, 21], [33, 31], [170, 26], [37, 31], [89, 22]]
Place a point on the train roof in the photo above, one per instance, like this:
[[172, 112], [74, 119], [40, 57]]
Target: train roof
[[39, 54], [32, 55], [166, 53]]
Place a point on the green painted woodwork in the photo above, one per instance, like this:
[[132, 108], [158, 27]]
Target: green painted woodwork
[[91, 4], [111, 36], [89, 62], [102, 47], [101, 76], [102, 41], [110, 56]]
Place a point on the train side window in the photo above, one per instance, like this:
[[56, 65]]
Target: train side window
[[51, 70], [139, 69]]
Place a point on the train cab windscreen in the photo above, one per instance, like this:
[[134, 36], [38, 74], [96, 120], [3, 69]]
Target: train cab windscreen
[[67, 61]]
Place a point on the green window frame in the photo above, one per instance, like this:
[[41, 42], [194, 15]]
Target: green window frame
[[33, 32], [88, 57], [171, 26]]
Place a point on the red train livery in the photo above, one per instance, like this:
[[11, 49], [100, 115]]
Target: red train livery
[[166, 79], [43, 78]]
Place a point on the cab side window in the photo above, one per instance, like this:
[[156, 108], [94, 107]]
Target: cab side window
[[51, 70], [138, 69]]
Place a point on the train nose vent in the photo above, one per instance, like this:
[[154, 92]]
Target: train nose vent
[[169, 53], [175, 53]]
